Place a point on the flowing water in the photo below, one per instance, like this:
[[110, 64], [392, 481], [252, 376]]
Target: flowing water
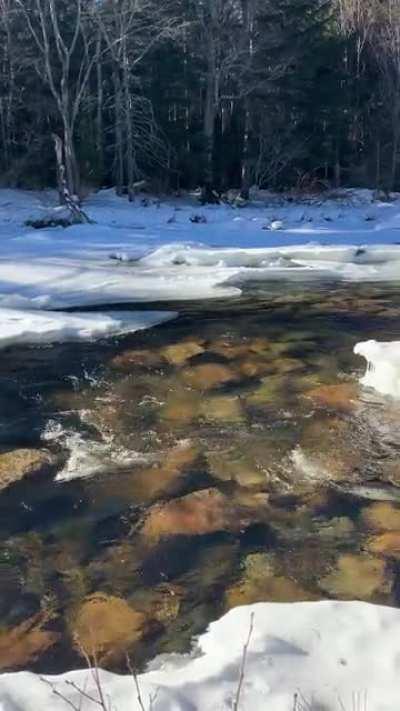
[[223, 458]]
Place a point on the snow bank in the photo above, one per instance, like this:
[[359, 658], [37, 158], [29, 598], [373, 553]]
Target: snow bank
[[151, 251], [383, 366], [332, 655], [21, 326]]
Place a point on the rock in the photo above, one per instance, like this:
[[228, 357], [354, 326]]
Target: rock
[[341, 398], [167, 601], [196, 514], [357, 577], [20, 463], [222, 409], [150, 483], [288, 365], [25, 643], [381, 516], [228, 466], [179, 353], [137, 358], [327, 452], [259, 583], [208, 376], [269, 389], [387, 544], [181, 407], [105, 627], [336, 528], [229, 349]]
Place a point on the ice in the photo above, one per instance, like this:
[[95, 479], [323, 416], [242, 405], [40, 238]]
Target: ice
[[22, 326], [383, 366], [330, 655]]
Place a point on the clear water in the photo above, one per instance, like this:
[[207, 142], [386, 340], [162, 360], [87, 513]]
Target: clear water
[[242, 409]]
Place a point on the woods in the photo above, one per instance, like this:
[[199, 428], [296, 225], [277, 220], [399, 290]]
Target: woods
[[213, 93]]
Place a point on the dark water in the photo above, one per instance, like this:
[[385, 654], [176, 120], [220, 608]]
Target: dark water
[[258, 400]]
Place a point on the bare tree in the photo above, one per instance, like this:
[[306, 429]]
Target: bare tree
[[58, 49]]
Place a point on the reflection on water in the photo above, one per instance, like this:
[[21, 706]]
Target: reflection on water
[[224, 458]]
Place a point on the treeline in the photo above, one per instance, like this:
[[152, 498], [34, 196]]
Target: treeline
[[217, 93]]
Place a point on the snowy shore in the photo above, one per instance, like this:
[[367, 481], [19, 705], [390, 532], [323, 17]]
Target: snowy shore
[[152, 251], [330, 655]]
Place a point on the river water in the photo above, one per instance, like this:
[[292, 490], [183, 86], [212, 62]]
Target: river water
[[224, 458]]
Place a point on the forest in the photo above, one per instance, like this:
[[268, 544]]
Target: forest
[[215, 93]]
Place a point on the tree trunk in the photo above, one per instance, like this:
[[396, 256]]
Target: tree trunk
[[99, 113], [130, 156], [119, 154]]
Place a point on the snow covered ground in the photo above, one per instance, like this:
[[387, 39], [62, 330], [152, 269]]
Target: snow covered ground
[[151, 250], [336, 656]]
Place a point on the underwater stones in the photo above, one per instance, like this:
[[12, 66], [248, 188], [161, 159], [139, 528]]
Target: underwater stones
[[181, 407], [199, 513], [166, 603], [327, 452], [20, 463], [386, 544], [208, 376], [23, 644], [137, 358], [254, 367], [105, 627], [229, 349], [339, 528], [260, 583], [222, 409], [266, 392], [381, 516], [341, 397], [147, 484], [357, 576], [178, 353], [227, 466]]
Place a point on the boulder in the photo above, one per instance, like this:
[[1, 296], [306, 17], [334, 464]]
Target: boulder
[[196, 514], [137, 358], [381, 516], [22, 645], [150, 483], [105, 627], [222, 409], [342, 397], [260, 583], [359, 577], [181, 407], [208, 376], [179, 353], [20, 463], [386, 544]]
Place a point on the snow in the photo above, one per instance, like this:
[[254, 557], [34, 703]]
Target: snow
[[383, 366], [21, 326], [332, 655], [150, 250]]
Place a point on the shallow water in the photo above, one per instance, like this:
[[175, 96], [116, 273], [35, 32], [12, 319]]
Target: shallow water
[[255, 398]]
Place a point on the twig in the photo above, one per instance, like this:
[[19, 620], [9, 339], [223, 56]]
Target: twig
[[243, 664], [136, 681]]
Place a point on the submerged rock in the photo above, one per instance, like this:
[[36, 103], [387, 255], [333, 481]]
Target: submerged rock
[[222, 409], [357, 576], [181, 407], [327, 452], [150, 483], [208, 376], [25, 643], [260, 583], [387, 544], [196, 514], [105, 627], [179, 353], [140, 358], [229, 466], [342, 397], [20, 463], [381, 516]]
